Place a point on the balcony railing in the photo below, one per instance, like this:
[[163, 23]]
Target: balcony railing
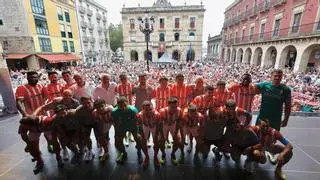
[[252, 12], [101, 41], [85, 38], [83, 24], [89, 12], [291, 32], [90, 26], [82, 9], [100, 28], [104, 19], [98, 15], [92, 40]]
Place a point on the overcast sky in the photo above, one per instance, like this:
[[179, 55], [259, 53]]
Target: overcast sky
[[213, 19]]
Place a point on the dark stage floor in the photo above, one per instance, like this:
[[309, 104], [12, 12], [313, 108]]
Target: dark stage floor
[[304, 133]]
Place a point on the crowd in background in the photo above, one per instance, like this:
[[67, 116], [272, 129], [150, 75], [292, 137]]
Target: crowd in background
[[305, 86]]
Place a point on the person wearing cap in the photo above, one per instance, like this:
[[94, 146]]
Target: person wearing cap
[[125, 120], [149, 120]]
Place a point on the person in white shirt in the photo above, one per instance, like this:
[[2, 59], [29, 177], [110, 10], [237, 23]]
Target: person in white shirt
[[106, 90], [81, 88]]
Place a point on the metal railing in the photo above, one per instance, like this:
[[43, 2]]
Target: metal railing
[[82, 9], [291, 32], [83, 24], [98, 15], [252, 12], [89, 12]]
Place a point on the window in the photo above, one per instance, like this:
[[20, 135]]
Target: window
[[133, 37], [296, 22], [251, 32], [41, 26], [243, 34], [45, 45], [71, 46], [192, 22], [191, 36], [132, 25], [177, 23], [161, 37], [37, 7], [67, 15], [69, 31], [276, 30], [262, 29], [230, 37], [176, 36], [161, 23], [62, 30], [60, 14], [1, 22], [236, 37], [65, 46]]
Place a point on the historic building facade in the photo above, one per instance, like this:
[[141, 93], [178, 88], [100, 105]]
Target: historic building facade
[[177, 32], [279, 33], [94, 34], [214, 47], [40, 32]]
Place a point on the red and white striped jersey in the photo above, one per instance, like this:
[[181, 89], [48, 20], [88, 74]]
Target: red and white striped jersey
[[222, 97], [52, 91], [32, 97], [149, 119], [67, 86], [126, 91], [183, 93], [169, 118], [244, 95], [161, 96], [192, 122], [204, 103]]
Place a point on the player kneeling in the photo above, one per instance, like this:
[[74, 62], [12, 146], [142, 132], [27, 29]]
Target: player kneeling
[[268, 137]]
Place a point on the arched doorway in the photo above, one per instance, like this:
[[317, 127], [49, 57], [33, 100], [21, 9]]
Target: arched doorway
[[149, 57], [190, 55], [240, 55], [257, 56], [176, 55], [270, 57], [233, 55], [134, 55], [310, 59], [247, 56], [288, 57], [228, 55]]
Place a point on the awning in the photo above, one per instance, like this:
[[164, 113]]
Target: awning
[[17, 56], [58, 58]]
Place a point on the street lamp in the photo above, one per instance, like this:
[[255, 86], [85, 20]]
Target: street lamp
[[146, 27]]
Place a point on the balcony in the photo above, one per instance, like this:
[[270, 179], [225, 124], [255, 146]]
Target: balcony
[[90, 26], [301, 31], [89, 12], [276, 3], [83, 24], [82, 9], [264, 7], [104, 19], [100, 29], [98, 16], [101, 41], [92, 40], [85, 39]]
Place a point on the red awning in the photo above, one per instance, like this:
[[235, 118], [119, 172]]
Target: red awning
[[17, 56], [58, 58]]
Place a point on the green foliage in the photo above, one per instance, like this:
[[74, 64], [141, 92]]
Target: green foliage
[[116, 36]]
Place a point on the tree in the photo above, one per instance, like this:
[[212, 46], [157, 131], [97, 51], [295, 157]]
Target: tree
[[116, 36]]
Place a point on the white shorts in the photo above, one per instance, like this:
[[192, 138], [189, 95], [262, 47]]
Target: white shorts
[[167, 129], [147, 130], [194, 131]]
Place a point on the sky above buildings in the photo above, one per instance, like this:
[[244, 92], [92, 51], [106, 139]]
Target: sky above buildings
[[213, 19]]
